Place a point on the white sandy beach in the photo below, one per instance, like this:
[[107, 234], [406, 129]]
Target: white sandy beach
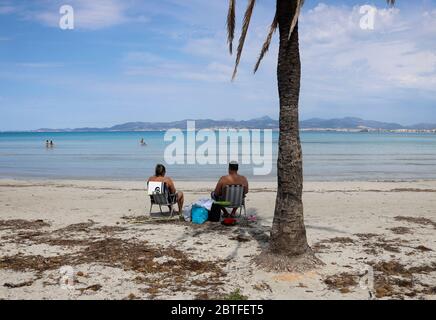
[[101, 230]]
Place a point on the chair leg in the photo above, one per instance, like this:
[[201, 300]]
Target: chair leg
[[151, 206], [226, 212], [160, 208]]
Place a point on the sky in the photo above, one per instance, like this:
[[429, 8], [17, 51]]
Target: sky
[[165, 60]]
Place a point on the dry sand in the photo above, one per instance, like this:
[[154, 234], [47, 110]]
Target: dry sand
[[93, 240]]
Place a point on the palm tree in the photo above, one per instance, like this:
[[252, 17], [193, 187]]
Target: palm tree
[[288, 247]]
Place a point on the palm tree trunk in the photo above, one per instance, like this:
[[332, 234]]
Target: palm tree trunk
[[288, 235]]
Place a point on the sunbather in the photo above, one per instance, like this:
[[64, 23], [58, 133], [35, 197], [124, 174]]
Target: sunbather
[[160, 177]]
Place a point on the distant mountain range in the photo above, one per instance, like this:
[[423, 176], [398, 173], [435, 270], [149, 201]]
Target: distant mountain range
[[347, 123]]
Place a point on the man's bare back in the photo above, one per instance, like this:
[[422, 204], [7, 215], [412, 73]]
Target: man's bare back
[[229, 180], [232, 178]]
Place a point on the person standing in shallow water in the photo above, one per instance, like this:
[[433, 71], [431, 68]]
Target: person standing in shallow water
[[51, 144], [47, 144]]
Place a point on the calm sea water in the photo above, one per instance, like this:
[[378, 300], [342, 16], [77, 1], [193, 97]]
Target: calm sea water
[[328, 156]]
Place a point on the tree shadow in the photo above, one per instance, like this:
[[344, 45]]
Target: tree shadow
[[329, 229]]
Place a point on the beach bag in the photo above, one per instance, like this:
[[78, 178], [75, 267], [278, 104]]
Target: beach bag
[[198, 214], [215, 213], [205, 203], [187, 213]]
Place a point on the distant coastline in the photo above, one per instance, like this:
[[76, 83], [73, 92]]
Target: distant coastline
[[347, 124], [374, 130], [349, 130]]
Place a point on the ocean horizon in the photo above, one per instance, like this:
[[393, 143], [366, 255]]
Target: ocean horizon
[[327, 156]]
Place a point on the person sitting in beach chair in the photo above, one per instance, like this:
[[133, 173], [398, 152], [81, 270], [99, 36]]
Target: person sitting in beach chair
[[166, 187], [232, 189]]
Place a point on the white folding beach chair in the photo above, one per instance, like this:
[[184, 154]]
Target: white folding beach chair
[[160, 195]]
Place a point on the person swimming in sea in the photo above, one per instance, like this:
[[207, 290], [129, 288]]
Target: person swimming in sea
[[143, 142]]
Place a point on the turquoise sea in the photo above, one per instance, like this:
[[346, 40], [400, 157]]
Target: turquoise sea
[[328, 156]]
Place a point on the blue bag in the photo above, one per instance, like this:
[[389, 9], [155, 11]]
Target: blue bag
[[199, 215]]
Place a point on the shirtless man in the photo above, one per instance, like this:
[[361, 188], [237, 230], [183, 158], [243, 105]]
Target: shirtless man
[[160, 177], [232, 178]]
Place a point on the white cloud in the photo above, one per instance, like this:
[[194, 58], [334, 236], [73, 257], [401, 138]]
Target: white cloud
[[338, 54], [7, 9], [88, 14], [213, 72], [145, 64], [395, 54], [95, 14]]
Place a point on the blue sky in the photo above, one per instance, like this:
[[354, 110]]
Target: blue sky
[[157, 60]]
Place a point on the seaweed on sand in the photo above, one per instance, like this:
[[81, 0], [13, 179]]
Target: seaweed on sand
[[342, 282], [129, 256], [417, 220], [17, 224], [393, 279]]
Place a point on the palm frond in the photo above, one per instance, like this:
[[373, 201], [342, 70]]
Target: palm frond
[[231, 22], [390, 2], [294, 21], [267, 42], [245, 25]]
